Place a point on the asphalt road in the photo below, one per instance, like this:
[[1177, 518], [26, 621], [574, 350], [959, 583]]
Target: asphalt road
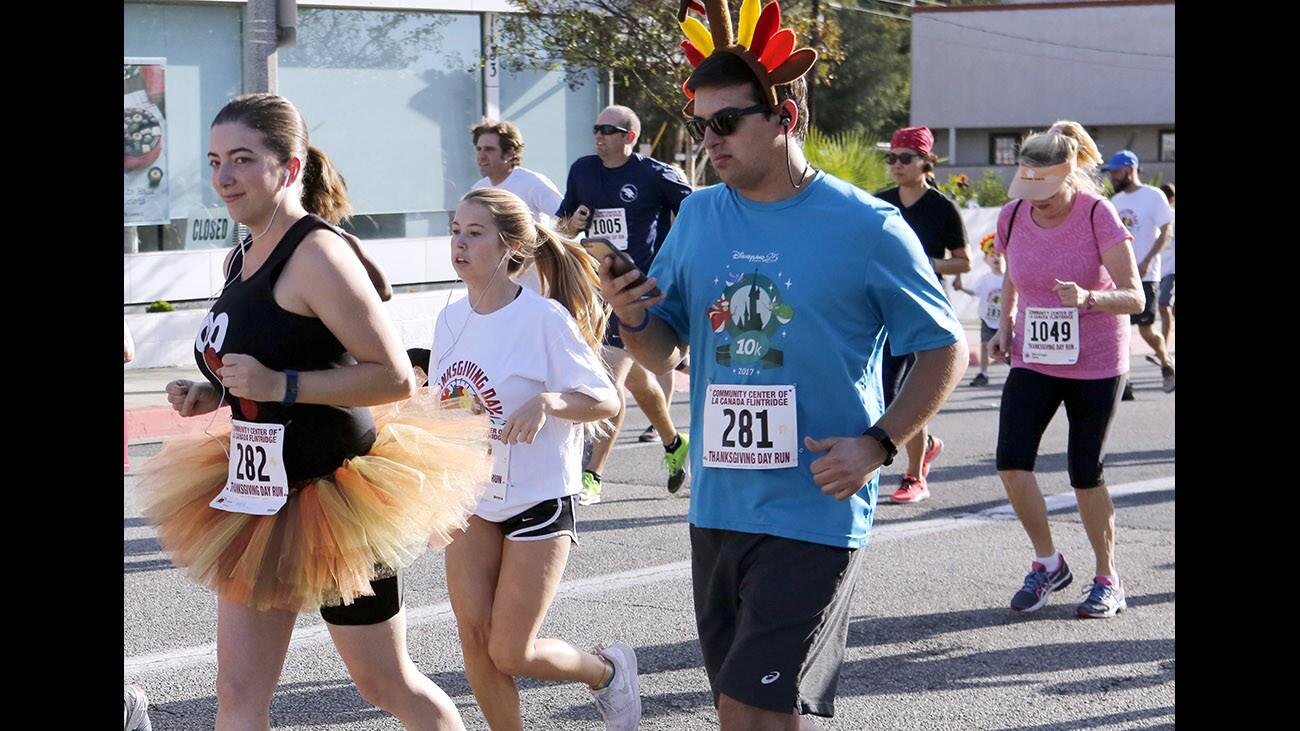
[[932, 643]]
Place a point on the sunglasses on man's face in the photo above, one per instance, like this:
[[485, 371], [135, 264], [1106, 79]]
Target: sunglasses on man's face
[[723, 123], [608, 129], [905, 157]]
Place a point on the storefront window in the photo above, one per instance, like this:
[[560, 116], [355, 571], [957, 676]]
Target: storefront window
[[390, 98], [201, 48]]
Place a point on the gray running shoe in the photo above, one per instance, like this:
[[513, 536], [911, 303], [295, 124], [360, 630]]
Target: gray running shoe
[[619, 702], [136, 713], [1104, 600], [1039, 585], [1167, 374]]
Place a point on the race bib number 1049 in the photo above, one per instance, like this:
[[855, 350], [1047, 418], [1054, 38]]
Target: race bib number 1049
[[750, 427], [1051, 335]]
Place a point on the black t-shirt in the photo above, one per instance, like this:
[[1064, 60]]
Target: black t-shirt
[[934, 218]]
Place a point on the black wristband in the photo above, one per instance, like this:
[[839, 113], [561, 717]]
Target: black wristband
[[624, 327], [290, 387], [879, 435]]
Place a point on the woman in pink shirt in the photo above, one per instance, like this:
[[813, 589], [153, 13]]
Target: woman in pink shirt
[[1071, 279]]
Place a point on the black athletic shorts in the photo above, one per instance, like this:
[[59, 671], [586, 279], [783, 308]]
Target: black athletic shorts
[[611, 334], [1030, 400], [1148, 313], [547, 519], [773, 617], [893, 371], [367, 610]]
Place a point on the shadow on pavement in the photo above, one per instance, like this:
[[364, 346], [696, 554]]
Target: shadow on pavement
[[928, 670], [877, 631], [592, 526], [141, 546], [1099, 721], [159, 564]]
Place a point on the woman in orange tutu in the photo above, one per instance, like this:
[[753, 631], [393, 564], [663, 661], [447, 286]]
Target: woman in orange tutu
[[308, 500]]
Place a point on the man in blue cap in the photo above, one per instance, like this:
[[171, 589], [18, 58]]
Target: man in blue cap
[[1146, 213]]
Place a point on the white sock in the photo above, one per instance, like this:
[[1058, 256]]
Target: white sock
[[1052, 562]]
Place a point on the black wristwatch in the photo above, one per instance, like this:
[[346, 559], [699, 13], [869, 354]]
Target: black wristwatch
[[879, 435]]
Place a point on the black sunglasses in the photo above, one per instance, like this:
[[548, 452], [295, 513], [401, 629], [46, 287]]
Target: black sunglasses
[[906, 158], [723, 123], [608, 129]]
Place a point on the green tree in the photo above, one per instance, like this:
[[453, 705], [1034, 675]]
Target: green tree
[[638, 42]]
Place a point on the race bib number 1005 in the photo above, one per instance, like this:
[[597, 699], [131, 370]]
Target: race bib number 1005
[[750, 427], [611, 223]]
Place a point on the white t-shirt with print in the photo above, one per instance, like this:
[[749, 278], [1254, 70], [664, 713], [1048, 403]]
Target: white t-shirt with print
[[988, 293], [1144, 211], [542, 198], [497, 362]]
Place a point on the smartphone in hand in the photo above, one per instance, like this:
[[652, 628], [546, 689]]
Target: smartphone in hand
[[601, 247]]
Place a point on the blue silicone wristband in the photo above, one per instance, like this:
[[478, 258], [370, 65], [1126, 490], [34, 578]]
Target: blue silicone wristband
[[290, 387], [624, 327]]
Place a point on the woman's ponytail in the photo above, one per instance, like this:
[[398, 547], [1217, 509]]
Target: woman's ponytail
[[324, 192], [569, 276]]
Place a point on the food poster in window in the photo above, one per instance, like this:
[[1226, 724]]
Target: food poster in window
[[145, 198]]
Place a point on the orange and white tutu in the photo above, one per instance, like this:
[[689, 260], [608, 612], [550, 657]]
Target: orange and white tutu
[[374, 515]]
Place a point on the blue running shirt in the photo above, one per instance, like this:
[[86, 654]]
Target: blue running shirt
[[798, 292], [644, 188]]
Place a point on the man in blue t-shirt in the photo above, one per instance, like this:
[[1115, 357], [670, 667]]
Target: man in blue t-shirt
[[783, 284], [629, 199]]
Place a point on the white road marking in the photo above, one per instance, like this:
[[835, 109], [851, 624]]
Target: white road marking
[[188, 657]]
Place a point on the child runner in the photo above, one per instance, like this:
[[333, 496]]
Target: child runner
[[987, 291]]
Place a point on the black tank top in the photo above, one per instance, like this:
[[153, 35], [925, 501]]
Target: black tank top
[[246, 320]]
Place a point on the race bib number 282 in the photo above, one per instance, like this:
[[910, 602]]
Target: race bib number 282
[[750, 427], [256, 482]]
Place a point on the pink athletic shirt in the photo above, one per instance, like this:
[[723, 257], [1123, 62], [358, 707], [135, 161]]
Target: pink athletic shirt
[[1069, 252]]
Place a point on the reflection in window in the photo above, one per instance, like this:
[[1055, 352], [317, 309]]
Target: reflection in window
[[390, 97], [555, 121], [201, 44], [1167, 145]]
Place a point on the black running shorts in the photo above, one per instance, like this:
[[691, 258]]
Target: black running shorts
[[612, 338], [367, 610], [773, 617], [1030, 400], [547, 519], [1148, 314]]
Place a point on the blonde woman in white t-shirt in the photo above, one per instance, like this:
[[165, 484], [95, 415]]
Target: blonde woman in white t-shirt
[[529, 362]]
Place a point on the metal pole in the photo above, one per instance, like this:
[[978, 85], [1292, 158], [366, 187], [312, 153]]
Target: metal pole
[[259, 46]]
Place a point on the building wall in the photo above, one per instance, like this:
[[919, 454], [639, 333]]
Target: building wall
[[1024, 66], [389, 89]]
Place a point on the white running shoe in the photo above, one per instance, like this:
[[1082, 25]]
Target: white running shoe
[[619, 703]]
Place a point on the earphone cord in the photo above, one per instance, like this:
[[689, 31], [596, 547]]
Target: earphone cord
[[790, 173], [472, 309], [243, 257]]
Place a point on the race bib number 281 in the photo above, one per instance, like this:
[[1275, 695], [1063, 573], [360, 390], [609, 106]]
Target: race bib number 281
[[750, 427]]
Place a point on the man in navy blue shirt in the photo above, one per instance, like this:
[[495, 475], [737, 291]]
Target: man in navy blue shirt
[[631, 200]]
